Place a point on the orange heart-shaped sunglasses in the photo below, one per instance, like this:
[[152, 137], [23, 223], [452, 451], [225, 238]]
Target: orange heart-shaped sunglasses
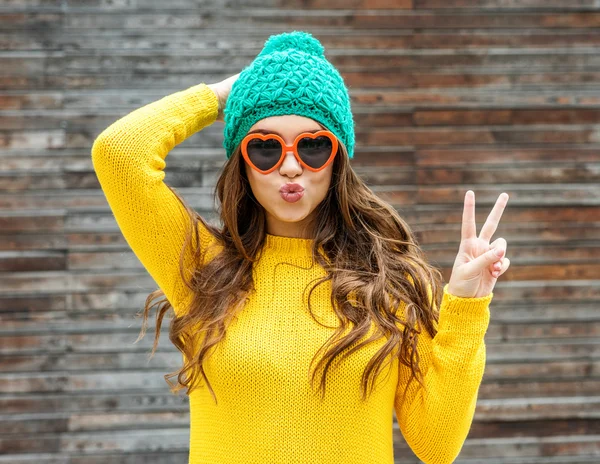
[[313, 150]]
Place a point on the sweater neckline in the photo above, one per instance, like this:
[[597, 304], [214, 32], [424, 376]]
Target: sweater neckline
[[293, 246]]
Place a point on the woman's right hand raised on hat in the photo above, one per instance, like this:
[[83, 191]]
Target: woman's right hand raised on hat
[[222, 90]]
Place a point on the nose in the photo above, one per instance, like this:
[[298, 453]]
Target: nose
[[290, 166]]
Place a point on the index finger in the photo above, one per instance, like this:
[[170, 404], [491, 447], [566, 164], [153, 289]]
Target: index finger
[[468, 229]]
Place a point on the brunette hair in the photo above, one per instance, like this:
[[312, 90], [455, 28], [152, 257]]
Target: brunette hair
[[370, 254]]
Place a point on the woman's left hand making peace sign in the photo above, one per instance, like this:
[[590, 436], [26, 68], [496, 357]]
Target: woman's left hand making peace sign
[[477, 267]]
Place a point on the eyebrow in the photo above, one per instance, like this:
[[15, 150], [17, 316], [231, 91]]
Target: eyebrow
[[265, 131]]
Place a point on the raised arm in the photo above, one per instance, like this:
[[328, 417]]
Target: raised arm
[[436, 423], [129, 159]]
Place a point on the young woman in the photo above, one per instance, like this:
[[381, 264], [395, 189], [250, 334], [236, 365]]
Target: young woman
[[304, 319]]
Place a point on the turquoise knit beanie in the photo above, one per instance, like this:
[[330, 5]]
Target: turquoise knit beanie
[[289, 76]]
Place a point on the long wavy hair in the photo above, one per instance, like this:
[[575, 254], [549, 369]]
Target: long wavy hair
[[379, 276]]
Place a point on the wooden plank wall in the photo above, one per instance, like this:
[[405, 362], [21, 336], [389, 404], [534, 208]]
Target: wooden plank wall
[[448, 95]]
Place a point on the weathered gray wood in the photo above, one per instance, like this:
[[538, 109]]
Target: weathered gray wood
[[492, 95]]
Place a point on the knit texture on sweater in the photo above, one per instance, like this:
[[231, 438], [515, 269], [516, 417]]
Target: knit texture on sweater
[[267, 413]]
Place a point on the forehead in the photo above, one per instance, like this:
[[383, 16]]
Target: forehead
[[286, 123]]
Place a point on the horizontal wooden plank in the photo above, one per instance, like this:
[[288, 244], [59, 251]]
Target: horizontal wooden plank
[[383, 131], [569, 459], [174, 457], [119, 7], [522, 450], [49, 221], [24, 5], [499, 371], [189, 175], [107, 342], [505, 89], [489, 406], [30, 99], [516, 409], [571, 427], [46, 382], [437, 82], [565, 378], [120, 41], [158, 439], [485, 117], [483, 5], [498, 98], [399, 20], [36, 242], [41, 120], [524, 174], [543, 194], [497, 156], [429, 206], [489, 135], [47, 139], [154, 457], [28, 20], [59, 282], [536, 388], [520, 255], [287, 18], [73, 362], [366, 158], [194, 61], [426, 200], [33, 304], [519, 319], [201, 197], [425, 137], [210, 161], [78, 402], [109, 298], [547, 340], [559, 370], [497, 418], [32, 261], [508, 409], [276, 20], [18, 424], [504, 351]]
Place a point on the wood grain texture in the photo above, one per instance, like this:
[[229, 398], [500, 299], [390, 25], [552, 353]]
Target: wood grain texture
[[448, 95]]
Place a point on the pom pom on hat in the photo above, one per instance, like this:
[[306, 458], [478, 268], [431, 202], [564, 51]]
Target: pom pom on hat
[[302, 41]]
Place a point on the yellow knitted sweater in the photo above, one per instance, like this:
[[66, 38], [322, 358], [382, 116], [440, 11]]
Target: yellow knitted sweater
[[267, 412]]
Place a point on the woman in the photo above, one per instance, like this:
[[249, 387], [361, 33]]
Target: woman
[[303, 319]]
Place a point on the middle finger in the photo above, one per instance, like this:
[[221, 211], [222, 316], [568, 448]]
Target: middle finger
[[493, 219]]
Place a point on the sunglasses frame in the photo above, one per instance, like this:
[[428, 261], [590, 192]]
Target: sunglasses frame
[[293, 147]]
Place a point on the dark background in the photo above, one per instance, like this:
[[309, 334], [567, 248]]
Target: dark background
[[448, 95]]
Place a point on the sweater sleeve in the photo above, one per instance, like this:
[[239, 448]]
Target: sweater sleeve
[[436, 423], [129, 159]]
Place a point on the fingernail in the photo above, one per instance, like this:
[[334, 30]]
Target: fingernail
[[498, 251]]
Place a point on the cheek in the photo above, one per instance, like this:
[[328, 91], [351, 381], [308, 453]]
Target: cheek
[[258, 184], [323, 182]]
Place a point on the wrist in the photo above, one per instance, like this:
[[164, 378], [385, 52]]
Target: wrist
[[215, 89]]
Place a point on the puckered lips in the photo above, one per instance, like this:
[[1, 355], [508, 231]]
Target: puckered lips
[[291, 188]]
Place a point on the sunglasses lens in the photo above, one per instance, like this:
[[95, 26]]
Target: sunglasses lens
[[264, 154], [315, 152]]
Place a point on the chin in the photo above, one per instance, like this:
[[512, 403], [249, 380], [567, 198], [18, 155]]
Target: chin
[[295, 218], [290, 216]]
